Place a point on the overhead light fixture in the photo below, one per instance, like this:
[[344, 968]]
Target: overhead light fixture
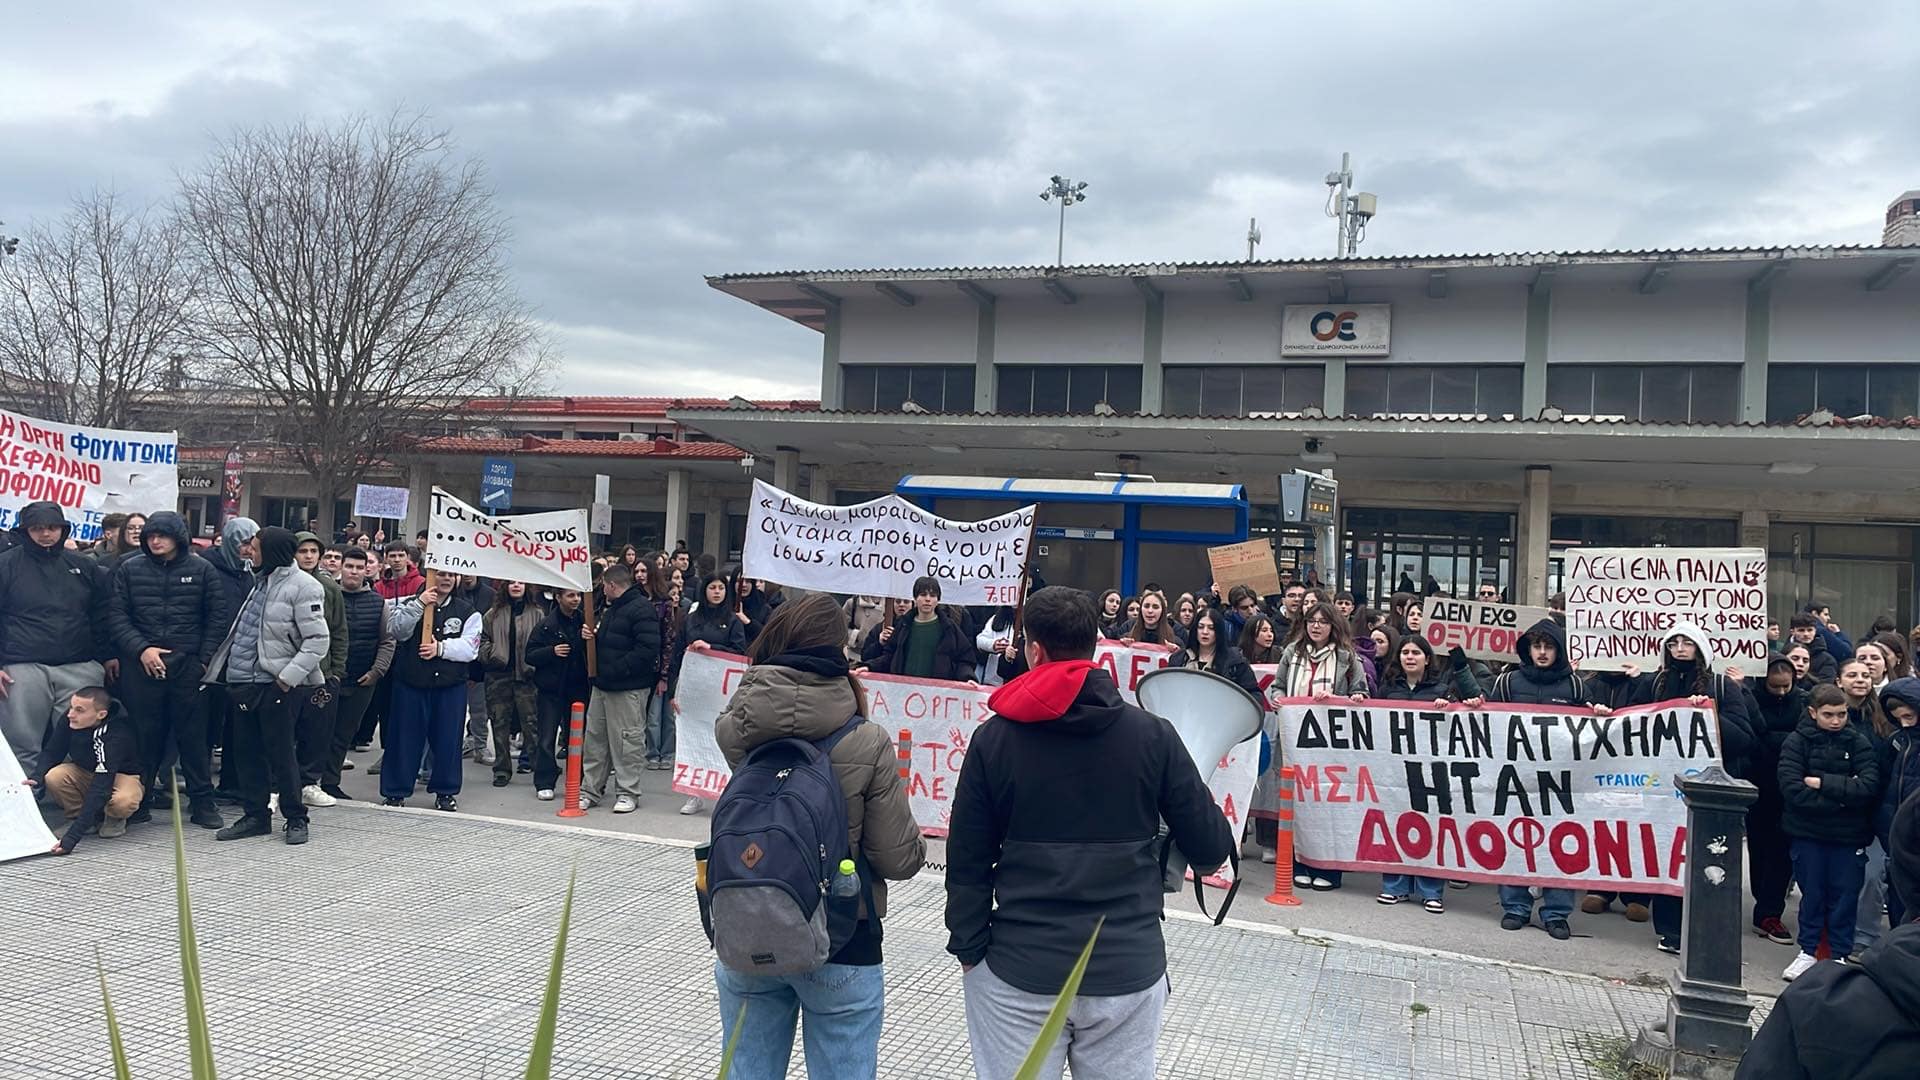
[[1790, 468]]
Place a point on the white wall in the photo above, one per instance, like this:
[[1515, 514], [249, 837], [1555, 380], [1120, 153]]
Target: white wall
[[936, 330], [1841, 322], [1683, 323], [1207, 329], [1470, 326], [1097, 330]]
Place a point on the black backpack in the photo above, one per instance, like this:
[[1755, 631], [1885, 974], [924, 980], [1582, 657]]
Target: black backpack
[[779, 835]]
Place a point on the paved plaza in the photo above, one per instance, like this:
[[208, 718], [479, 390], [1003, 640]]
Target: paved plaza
[[406, 944]]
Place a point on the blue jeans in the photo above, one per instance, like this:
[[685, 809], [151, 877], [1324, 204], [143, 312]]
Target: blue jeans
[[843, 1006], [661, 722], [1830, 876], [1555, 904], [1430, 888]]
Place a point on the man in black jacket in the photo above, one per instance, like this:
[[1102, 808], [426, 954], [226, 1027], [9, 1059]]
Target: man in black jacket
[[94, 767], [168, 614], [1859, 1020], [53, 630], [558, 656], [627, 650], [930, 642], [1053, 828], [370, 648]]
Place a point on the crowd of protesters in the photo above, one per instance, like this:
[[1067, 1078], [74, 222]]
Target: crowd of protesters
[[246, 674]]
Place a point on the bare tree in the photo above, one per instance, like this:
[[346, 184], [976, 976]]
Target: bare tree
[[355, 284], [95, 315]]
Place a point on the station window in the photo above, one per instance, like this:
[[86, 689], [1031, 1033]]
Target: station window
[[1413, 390], [1243, 391], [1886, 390], [1066, 388], [886, 387], [1652, 393]]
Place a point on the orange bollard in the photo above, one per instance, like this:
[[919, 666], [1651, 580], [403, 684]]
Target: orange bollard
[[1283, 845], [576, 742], [905, 753]]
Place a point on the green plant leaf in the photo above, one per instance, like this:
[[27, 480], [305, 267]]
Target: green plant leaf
[[120, 1070], [733, 1041], [1057, 1016], [199, 1043], [540, 1060]]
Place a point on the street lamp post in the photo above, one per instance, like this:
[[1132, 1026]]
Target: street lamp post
[[1065, 192]]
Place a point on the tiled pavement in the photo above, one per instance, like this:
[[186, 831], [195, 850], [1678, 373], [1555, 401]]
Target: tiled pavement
[[409, 944]]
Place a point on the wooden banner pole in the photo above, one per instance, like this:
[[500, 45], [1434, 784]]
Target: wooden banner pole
[[429, 600], [593, 659]]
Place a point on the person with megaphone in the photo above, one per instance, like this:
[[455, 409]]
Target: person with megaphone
[[1054, 830]]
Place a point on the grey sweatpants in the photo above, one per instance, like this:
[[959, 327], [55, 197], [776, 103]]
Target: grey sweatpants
[[1109, 1038], [616, 742], [37, 700]]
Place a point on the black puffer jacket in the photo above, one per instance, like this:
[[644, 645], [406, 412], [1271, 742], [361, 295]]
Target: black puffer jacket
[[628, 653], [564, 677], [176, 604], [53, 602], [1899, 756], [1228, 663], [1841, 809], [719, 629], [1859, 1020], [1556, 684]]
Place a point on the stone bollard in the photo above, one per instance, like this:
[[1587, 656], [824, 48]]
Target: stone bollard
[[1707, 1026]]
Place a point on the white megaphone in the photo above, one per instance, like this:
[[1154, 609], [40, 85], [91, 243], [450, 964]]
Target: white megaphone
[[1212, 715]]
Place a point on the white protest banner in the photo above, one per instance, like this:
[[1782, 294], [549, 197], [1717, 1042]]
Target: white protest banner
[[548, 550], [939, 717], [1623, 602], [879, 548], [90, 472], [23, 831], [374, 501], [1512, 794], [1483, 631]]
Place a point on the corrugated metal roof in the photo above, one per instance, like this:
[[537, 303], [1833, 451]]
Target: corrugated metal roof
[[1510, 258], [617, 405], [1804, 423], [535, 445]]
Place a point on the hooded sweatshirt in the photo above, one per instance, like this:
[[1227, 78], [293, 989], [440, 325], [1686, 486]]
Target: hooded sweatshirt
[[234, 571], [53, 602], [1531, 684], [1739, 748], [1899, 757], [174, 603], [1055, 824], [1859, 1020]]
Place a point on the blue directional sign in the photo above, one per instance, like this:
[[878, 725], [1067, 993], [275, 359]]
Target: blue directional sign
[[496, 484]]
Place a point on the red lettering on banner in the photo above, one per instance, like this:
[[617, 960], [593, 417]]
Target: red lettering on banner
[[1415, 835], [1610, 852], [935, 789], [1363, 789], [1486, 844], [1376, 840], [1449, 830], [1227, 808], [1677, 860], [1109, 665], [1570, 861], [1334, 773], [1527, 835], [730, 678]]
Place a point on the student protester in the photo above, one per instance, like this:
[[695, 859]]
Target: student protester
[[167, 613], [929, 643], [1779, 708], [750, 605], [1899, 656], [863, 614], [1259, 643], [53, 629], [710, 625], [992, 644], [660, 726], [1113, 614], [271, 655], [1804, 629], [429, 692], [1210, 652], [313, 727], [1829, 779], [1856, 1020], [331, 560], [477, 743], [1413, 674], [1318, 661], [1243, 604], [628, 654], [400, 577], [118, 540], [1154, 626], [798, 687], [1184, 610], [872, 648], [1801, 657], [96, 767], [1899, 776], [505, 629], [1686, 671], [557, 653], [1866, 715], [370, 648], [1055, 823], [232, 562], [1543, 677], [1839, 646], [1293, 600]]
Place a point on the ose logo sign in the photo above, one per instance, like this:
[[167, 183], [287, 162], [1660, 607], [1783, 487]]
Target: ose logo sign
[[1347, 330]]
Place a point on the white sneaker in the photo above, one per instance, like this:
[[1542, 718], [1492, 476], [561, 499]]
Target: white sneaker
[[625, 804], [1800, 966], [311, 795], [693, 806], [1267, 855], [588, 802], [545, 794]]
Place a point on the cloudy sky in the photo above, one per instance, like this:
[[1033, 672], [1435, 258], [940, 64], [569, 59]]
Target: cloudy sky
[[639, 146]]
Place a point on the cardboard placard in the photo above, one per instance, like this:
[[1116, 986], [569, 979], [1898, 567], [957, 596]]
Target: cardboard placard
[[1249, 563]]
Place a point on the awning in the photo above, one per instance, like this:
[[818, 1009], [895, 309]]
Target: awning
[[1028, 489]]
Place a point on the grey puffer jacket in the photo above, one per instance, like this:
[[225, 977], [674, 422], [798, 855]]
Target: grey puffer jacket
[[293, 630], [774, 701]]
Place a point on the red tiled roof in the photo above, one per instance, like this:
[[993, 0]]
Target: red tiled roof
[[618, 406], [533, 444]]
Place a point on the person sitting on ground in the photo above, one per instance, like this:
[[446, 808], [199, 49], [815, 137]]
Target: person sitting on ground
[[1055, 826], [98, 767], [1859, 1020], [1543, 677], [1829, 779]]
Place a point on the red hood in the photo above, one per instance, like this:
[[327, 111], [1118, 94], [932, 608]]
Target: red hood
[[1043, 694]]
